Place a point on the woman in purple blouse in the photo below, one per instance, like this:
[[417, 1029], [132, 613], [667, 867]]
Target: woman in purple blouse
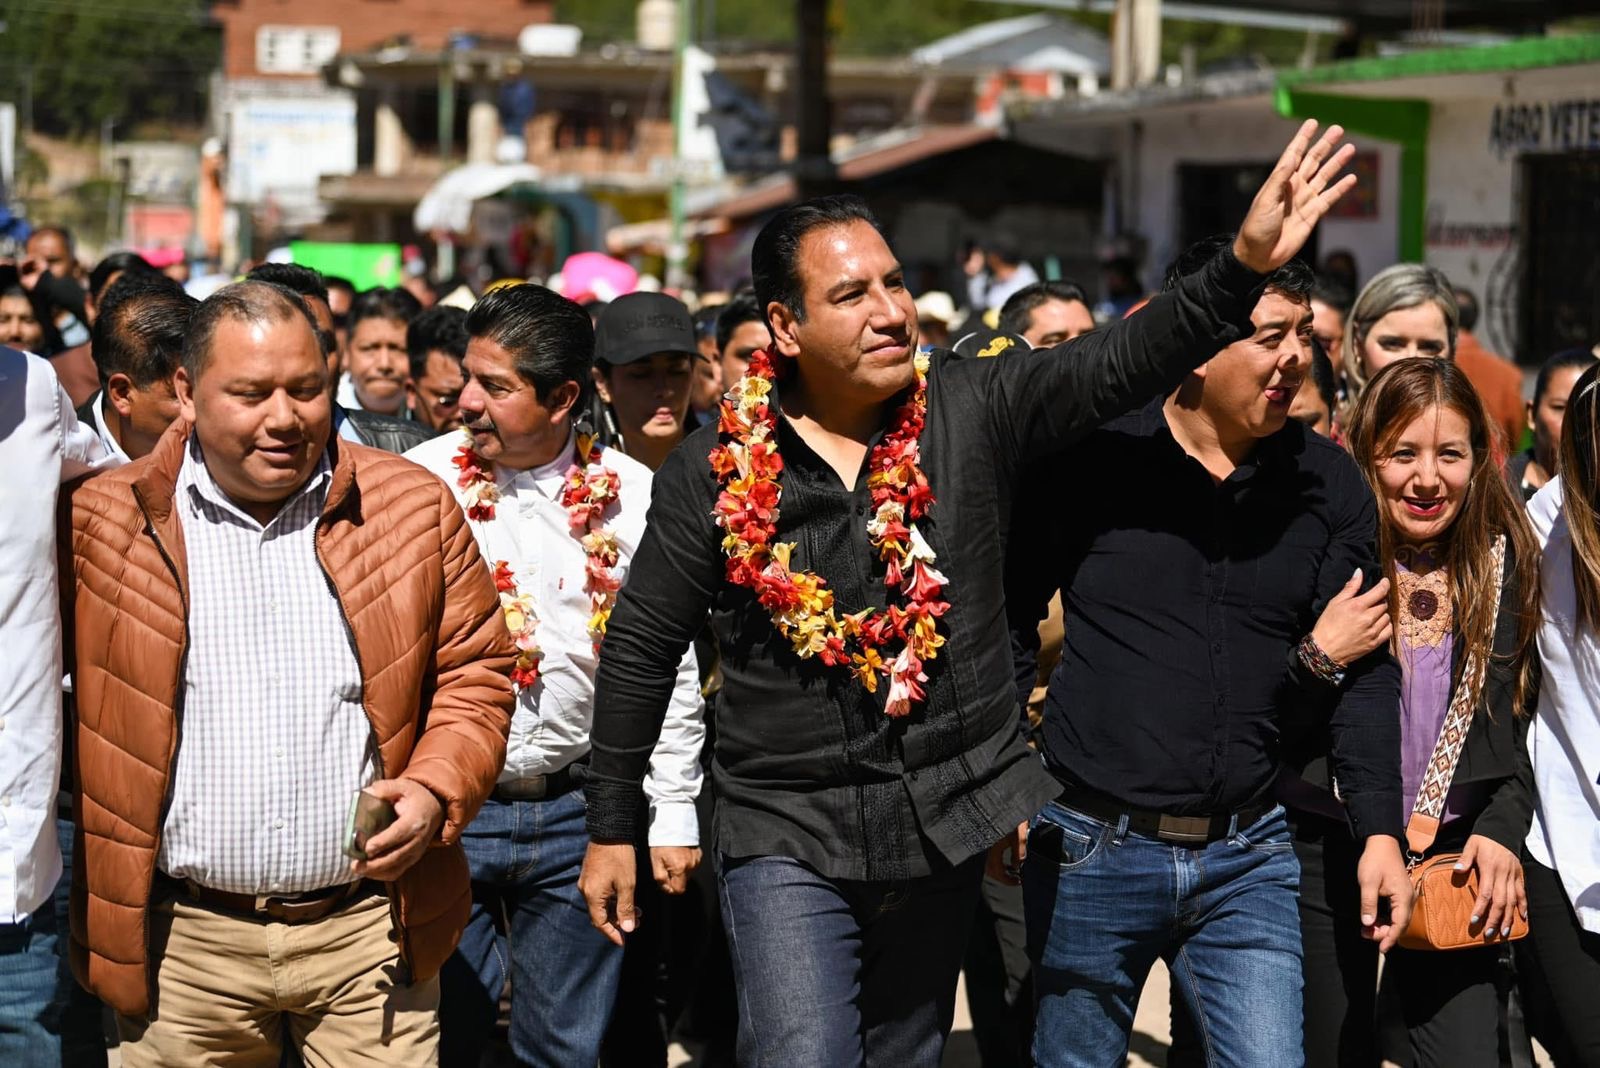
[[1423, 439]]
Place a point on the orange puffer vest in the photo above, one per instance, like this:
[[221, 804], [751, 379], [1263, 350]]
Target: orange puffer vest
[[428, 633]]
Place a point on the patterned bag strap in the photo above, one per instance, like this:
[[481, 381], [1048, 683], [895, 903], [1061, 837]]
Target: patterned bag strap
[[1426, 812]]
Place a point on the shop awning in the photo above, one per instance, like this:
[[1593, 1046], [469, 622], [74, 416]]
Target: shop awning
[[866, 160], [653, 235], [1401, 13], [447, 205]]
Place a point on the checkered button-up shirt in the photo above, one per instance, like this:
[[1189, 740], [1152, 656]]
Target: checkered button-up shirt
[[273, 740]]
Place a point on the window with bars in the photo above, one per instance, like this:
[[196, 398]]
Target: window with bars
[[295, 49], [1561, 273]]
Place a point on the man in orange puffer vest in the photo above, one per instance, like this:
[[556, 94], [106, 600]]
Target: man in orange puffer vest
[[264, 622]]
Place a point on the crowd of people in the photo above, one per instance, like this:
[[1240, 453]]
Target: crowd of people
[[742, 675]]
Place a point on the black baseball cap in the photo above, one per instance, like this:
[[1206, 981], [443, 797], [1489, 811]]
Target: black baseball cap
[[984, 343], [639, 325]]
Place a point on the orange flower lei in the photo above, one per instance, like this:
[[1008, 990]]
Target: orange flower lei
[[747, 465], [588, 490]]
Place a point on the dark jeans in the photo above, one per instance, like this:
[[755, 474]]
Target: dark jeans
[[1450, 1005], [1436, 1008], [30, 1013], [46, 1018], [999, 983], [83, 1031], [1559, 966], [636, 1037], [529, 922], [1341, 968], [1103, 904], [843, 973], [702, 974]]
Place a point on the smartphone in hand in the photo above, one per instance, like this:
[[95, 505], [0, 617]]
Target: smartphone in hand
[[369, 815]]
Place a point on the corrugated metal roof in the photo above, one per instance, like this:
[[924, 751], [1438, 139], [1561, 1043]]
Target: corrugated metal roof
[[867, 160], [1451, 14], [1028, 42]]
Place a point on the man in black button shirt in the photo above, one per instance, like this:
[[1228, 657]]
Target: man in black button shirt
[[1218, 528], [850, 840]]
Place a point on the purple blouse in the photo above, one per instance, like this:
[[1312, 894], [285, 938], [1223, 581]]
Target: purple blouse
[[1424, 700]]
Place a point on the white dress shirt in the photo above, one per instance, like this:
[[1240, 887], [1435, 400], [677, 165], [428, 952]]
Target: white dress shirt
[[107, 439], [1564, 739], [275, 742], [42, 445], [345, 395], [550, 728], [987, 293]]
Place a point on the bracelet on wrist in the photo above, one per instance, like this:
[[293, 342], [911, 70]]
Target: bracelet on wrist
[[1320, 663]]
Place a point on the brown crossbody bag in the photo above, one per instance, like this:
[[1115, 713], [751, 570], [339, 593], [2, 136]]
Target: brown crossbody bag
[[1443, 898]]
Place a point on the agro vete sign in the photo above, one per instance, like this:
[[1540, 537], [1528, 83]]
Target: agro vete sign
[[1556, 126]]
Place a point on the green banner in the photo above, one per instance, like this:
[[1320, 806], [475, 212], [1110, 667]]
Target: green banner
[[364, 265]]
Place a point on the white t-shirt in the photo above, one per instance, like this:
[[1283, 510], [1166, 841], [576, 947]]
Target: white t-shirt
[[1565, 737]]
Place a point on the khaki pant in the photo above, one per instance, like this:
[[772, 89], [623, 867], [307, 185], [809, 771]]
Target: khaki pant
[[230, 991]]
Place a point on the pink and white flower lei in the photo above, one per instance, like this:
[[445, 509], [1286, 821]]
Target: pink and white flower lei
[[588, 491]]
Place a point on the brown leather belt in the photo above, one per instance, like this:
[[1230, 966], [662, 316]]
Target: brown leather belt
[[1182, 830], [291, 909], [543, 787]]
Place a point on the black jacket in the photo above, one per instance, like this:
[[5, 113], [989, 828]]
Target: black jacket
[[1179, 595], [807, 765], [1496, 750], [379, 431], [386, 432]]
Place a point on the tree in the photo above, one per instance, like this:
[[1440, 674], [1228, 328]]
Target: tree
[[74, 64], [864, 27]]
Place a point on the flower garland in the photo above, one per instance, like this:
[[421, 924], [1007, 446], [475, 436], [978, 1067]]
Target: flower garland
[[588, 489], [747, 465], [522, 620]]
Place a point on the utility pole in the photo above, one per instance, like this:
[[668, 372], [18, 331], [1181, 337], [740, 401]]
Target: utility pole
[[1135, 43], [677, 246], [447, 109], [813, 165]]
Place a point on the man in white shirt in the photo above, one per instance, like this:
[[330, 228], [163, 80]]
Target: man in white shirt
[[42, 446], [137, 341], [377, 366], [559, 529], [994, 274]]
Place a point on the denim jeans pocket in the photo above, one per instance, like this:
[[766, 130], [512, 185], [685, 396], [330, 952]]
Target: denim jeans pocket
[[1065, 838], [1269, 834]]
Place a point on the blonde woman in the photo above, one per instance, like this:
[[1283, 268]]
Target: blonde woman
[[1406, 310]]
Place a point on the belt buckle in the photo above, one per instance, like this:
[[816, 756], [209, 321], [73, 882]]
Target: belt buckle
[[1185, 829], [298, 909], [278, 907], [533, 787]]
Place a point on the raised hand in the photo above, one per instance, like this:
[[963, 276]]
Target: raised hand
[[1294, 199]]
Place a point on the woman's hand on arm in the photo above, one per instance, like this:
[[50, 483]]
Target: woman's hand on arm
[[1354, 623]]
